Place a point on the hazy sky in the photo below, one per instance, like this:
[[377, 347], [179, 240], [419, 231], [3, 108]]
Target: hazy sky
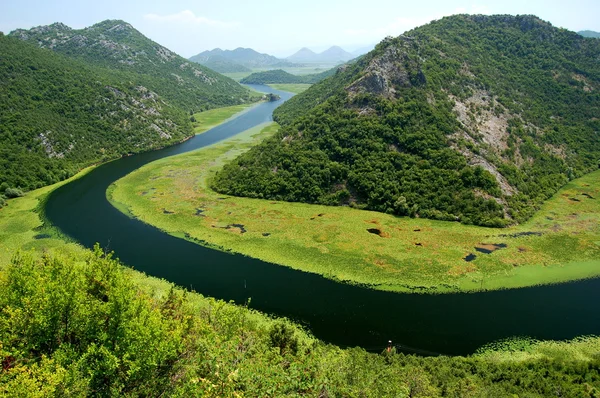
[[277, 26]]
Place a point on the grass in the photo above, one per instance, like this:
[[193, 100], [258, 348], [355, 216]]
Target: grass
[[334, 241], [211, 118], [292, 88]]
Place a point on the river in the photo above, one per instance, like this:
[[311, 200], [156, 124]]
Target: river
[[334, 312]]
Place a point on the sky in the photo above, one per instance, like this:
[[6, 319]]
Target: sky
[[280, 27]]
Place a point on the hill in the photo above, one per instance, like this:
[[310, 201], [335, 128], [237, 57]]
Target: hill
[[93, 95], [589, 33], [333, 55], [220, 64], [246, 57], [477, 119], [117, 45], [281, 76]]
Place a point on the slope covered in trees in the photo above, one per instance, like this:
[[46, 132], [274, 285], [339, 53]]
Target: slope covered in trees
[[117, 45], [283, 77], [103, 92], [470, 118], [87, 327]]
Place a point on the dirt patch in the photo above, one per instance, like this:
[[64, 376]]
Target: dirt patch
[[521, 234], [488, 248], [377, 231], [238, 227], [574, 200], [522, 249]]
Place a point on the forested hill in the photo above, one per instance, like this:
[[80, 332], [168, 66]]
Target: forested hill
[[281, 76], [590, 33], [58, 115], [470, 118], [117, 45]]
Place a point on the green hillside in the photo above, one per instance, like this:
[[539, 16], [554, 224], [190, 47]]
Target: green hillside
[[282, 77], [477, 119], [103, 92], [117, 45], [59, 114]]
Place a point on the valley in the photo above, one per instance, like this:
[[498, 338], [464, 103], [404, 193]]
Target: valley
[[418, 219]]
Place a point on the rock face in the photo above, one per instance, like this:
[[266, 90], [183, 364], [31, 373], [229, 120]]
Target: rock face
[[389, 71]]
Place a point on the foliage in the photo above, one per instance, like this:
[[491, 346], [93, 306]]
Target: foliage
[[384, 133], [115, 44], [73, 328], [558, 244], [281, 76], [65, 109], [221, 64]]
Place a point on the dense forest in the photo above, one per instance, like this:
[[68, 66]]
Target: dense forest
[[477, 119], [283, 77], [115, 44], [62, 110], [90, 327]]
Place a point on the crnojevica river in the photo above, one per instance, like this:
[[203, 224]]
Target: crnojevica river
[[335, 312]]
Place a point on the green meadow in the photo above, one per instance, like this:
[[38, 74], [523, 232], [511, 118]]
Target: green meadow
[[560, 243], [292, 88], [213, 117]]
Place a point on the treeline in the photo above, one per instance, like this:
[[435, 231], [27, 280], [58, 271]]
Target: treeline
[[384, 133], [88, 328], [279, 76]]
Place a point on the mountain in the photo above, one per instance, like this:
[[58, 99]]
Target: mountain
[[117, 45], [589, 33], [220, 64], [70, 98], [246, 57], [58, 115], [332, 55], [303, 55], [477, 119], [281, 76], [336, 55]]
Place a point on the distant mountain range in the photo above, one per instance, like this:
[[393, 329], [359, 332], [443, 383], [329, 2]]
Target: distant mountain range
[[238, 60], [589, 33], [281, 76], [332, 55]]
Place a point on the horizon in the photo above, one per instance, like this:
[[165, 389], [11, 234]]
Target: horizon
[[268, 27]]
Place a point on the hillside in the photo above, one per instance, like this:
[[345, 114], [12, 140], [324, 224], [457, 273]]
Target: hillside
[[220, 64], [58, 114], [117, 45], [246, 57], [589, 33], [281, 76], [477, 119], [103, 92]]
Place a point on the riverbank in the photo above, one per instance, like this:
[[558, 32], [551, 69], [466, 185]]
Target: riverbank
[[560, 243]]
